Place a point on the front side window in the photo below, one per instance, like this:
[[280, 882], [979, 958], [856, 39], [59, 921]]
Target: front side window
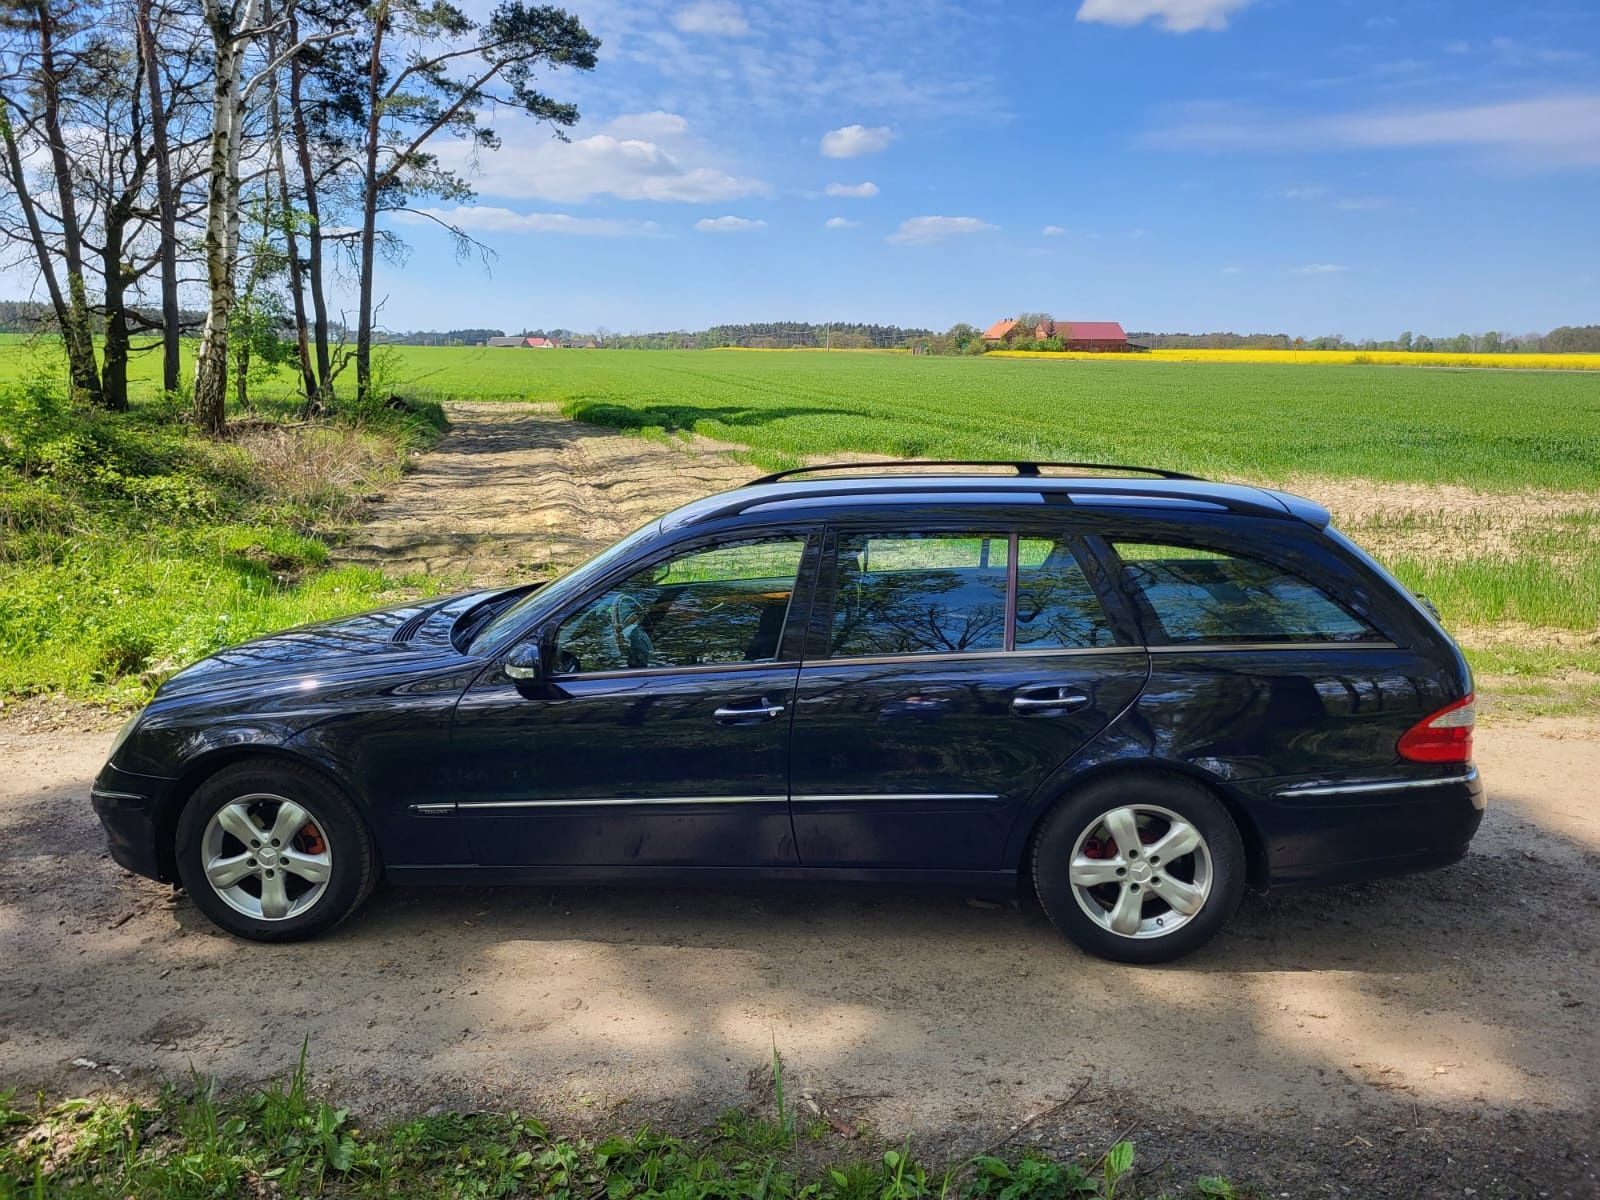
[[709, 607], [1211, 596], [919, 593]]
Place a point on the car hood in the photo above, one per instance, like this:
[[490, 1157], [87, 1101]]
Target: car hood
[[404, 635]]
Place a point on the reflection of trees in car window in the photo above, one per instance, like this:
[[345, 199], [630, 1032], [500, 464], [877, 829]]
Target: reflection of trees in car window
[[723, 604], [919, 594], [1207, 596], [1056, 607]]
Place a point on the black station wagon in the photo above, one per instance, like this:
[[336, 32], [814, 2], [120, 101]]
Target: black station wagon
[[1133, 692]]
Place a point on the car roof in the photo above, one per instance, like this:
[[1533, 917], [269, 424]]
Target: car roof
[[874, 488]]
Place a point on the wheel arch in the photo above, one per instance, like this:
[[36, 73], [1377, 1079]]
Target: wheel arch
[[1254, 848], [205, 766]]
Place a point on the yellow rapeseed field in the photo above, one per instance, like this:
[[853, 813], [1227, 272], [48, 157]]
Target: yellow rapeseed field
[[1385, 358]]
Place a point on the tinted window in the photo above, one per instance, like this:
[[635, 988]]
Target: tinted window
[[909, 593], [1056, 607], [725, 604], [1211, 596]]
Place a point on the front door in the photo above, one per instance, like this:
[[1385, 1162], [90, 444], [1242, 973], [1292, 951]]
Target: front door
[[659, 735], [957, 671]]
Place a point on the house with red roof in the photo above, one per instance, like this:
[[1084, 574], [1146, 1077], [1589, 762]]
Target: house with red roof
[[1099, 336]]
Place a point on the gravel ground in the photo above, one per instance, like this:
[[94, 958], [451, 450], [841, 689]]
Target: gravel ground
[[1427, 1036]]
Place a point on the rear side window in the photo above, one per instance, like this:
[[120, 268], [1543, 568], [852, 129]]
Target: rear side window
[[1056, 607], [916, 593], [1213, 596]]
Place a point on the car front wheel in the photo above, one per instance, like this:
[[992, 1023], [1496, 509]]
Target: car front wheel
[[273, 852], [1139, 869]]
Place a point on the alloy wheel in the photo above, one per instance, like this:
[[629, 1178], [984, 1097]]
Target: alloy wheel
[[266, 857], [1141, 871]]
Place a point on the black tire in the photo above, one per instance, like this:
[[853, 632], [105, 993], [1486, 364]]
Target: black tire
[[352, 872], [1079, 816]]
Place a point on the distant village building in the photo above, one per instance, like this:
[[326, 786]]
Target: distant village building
[[526, 343], [1099, 336]]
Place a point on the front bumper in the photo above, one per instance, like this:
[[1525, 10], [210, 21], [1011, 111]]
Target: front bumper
[[1348, 831], [130, 807]]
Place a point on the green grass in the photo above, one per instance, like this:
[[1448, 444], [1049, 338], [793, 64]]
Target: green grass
[[218, 564], [1494, 430], [129, 547], [281, 1141]]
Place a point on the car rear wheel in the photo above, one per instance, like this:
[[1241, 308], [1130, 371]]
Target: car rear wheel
[[273, 852], [1139, 869]]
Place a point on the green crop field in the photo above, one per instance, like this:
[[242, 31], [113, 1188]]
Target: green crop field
[[1487, 429], [1509, 545]]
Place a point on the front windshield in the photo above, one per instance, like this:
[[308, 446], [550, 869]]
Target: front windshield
[[494, 636]]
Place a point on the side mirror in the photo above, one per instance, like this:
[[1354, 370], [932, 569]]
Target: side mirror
[[524, 666]]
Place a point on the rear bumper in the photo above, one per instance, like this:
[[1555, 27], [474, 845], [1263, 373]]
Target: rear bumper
[[129, 807], [1351, 830]]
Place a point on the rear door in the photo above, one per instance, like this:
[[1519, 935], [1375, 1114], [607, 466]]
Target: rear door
[[948, 672]]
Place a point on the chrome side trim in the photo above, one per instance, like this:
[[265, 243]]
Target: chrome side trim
[[619, 802], [1382, 785], [433, 810], [104, 794], [1230, 647], [851, 797]]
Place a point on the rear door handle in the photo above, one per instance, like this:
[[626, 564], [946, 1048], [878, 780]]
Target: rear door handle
[[753, 715], [1043, 701]]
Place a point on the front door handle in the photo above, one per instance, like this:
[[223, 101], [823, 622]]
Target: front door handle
[[753, 715], [1043, 701]]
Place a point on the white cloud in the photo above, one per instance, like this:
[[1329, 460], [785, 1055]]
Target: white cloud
[[483, 218], [1364, 203], [1231, 270], [728, 225], [1175, 16], [1320, 269], [716, 17], [852, 141], [1304, 193], [919, 230], [531, 165], [840, 223], [855, 191], [1053, 231], [1551, 131], [655, 124]]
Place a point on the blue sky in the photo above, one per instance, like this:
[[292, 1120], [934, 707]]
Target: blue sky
[[1311, 167]]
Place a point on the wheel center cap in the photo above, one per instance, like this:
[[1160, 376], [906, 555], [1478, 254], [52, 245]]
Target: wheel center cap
[[1140, 872], [267, 856]]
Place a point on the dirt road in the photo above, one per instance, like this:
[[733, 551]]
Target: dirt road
[[1416, 1037]]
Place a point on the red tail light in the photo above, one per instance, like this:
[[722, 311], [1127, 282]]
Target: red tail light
[[1444, 737]]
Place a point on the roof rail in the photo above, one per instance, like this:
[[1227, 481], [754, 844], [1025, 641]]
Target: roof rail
[[1021, 467]]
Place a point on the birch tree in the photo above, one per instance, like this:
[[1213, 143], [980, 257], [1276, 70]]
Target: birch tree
[[236, 29]]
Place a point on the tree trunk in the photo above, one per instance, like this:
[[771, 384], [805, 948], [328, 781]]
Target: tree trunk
[[167, 204], [77, 331], [369, 209], [297, 294], [221, 241], [308, 176], [17, 177], [115, 381]]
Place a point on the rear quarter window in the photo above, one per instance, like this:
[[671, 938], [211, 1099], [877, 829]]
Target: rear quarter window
[[1212, 596]]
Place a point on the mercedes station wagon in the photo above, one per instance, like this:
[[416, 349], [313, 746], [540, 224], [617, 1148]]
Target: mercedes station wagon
[[1130, 693]]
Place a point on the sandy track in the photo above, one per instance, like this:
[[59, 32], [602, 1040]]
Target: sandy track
[[1410, 1038], [514, 490]]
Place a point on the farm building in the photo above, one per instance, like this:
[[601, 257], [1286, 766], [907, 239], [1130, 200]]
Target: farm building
[[1103, 336], [530, 343]]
